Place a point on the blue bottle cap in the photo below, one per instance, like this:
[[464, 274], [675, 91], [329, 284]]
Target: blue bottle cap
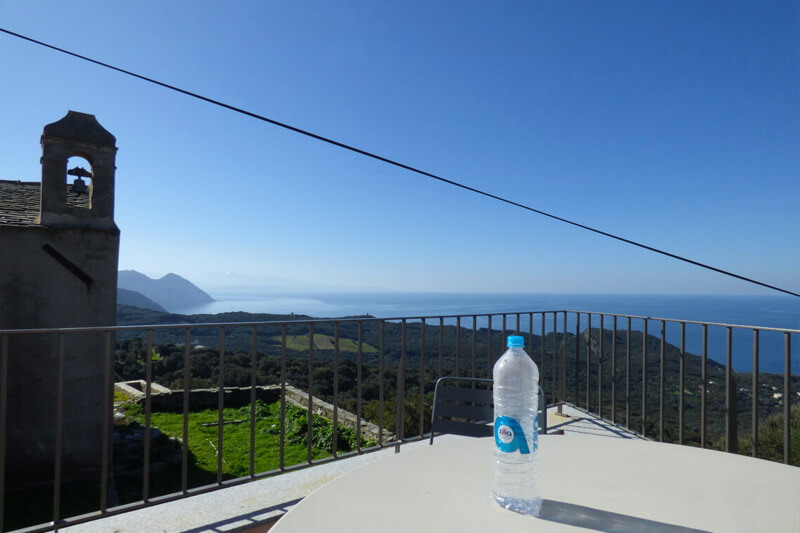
[[515, 341]]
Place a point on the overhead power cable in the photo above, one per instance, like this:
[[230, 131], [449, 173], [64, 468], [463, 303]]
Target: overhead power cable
[[398, 164]]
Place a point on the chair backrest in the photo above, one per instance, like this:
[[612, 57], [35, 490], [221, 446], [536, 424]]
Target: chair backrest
[[465, 406]]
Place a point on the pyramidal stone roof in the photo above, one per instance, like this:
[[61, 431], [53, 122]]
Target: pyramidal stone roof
[[80, 127], [20, 202]]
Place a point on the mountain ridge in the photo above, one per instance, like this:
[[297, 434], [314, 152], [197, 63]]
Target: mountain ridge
[[171, 291], [137, 299]]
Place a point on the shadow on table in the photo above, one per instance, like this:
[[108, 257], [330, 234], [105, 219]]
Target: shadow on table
[[261, 520], [587, 517], [586, 424]]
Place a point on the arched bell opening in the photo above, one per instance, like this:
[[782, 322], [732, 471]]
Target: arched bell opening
[[79, 183]]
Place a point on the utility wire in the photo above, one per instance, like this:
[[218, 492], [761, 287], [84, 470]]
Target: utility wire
[[398, 164]]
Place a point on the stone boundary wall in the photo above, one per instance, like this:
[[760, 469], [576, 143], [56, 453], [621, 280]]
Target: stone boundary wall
[[346, 418], [163, 399]]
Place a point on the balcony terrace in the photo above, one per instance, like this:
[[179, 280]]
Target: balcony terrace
[[604, 376]]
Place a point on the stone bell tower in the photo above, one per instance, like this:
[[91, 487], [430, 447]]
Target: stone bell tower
[[78, 134], [60, 249]]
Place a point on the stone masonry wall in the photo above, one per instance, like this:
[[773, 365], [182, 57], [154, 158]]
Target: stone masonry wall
[[172, 400]]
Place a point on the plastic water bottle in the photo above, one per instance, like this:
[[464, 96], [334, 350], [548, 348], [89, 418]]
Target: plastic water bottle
[[516, 457]]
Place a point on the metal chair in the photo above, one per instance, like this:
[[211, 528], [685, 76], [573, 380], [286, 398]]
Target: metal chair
[[469, 410]]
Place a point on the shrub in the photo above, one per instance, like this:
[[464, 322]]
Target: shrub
[[321, 432], [770, 438]]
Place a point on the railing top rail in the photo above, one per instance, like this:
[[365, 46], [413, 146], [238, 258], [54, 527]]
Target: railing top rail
[[366, 318], [299, 321], [684, 321]]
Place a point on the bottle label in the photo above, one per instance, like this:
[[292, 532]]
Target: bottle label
[[510, 437]]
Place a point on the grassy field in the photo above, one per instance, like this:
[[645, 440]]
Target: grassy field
[[203, 434], [324, 342]]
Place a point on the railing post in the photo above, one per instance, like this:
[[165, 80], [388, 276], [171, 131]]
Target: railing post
[[108, 407], [563, 370], [401, 392], [187, 385], [628, 376], [662, 357], [381, 384], [600, 369], [310, 393], [541, 368], [336, 388], [147, 412], [253, 367], [530, 335], [359, 380], [754, 423], [282, 458], [489, 367], [458, 343], [704, 390], [787, 398], [614, 369], [682, 384], [422, 375], [59, 432], [221, 404], [588, 360], [555, 349], [730, 396], [577, 358], [441, 342], [644, 379], [475, 344]]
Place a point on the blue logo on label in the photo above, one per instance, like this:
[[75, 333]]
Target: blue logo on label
[[509, 436]]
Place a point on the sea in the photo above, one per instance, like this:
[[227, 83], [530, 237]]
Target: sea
[[770, 311]]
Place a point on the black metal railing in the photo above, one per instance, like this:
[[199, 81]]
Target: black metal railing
[[637, 398], [383, 372]]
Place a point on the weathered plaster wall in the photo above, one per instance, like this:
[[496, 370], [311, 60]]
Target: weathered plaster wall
[[39, 292]]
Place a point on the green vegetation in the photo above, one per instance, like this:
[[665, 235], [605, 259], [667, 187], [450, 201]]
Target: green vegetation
[[324, 342], [120, 397], [204, 431], [770, 438]]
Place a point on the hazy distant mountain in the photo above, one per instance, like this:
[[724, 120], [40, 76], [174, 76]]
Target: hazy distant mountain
[[171, 292], [137, 299]]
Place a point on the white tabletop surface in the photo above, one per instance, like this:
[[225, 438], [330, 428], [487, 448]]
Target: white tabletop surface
[[588, 484]]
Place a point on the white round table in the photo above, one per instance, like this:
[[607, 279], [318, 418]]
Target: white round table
[[597, 483]]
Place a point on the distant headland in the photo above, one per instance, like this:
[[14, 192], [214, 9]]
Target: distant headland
[[169, 293]]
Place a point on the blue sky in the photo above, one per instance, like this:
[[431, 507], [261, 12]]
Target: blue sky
[[673, 123]]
